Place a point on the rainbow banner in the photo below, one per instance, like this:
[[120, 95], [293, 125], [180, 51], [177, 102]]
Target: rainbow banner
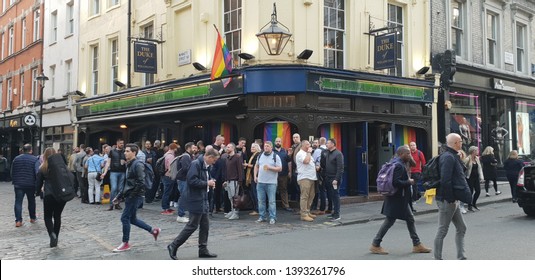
[[222, 62], [404, 135], [223, 129], [334, 131], [272, 130]]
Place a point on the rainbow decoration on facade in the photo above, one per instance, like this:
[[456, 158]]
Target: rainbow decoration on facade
[[404, 135], [224, 129], [222, 62], [334, 131], [272, 130]]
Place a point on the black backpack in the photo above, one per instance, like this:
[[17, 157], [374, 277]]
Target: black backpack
[[60, 178], [431, 173], [160, 166]]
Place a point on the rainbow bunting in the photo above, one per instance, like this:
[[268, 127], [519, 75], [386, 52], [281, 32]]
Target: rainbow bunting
[[334, 131], [272, 130], [222, 62], [404, 135]]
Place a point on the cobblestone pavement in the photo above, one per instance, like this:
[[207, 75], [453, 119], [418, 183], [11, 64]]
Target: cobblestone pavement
[[91, 232]]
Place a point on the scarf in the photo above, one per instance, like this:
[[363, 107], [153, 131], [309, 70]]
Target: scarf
[[249, 174]]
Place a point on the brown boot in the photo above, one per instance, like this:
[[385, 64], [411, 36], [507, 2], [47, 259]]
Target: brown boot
[[311, 215], [306, 218], [378, 250], [420, 249]]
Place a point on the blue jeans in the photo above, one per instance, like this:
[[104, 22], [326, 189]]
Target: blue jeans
[[168, 186], [129, 216], [117, 180], [183, 189], [19, 197], [334, 194], [269, 190]]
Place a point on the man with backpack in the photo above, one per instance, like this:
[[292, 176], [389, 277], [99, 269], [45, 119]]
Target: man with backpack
[[452, 176], [132, 194], [116, 165], [396, 206], [182, 167]]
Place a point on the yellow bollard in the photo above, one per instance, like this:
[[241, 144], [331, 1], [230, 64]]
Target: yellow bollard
[[106, 194]]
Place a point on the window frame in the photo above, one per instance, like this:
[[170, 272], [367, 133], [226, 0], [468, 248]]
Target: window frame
[[9, 93], [114, 63], [69, 30], [34, 84], [21, 92], [399, 70], [24, 29], [333, 49], [68, 74], [147, 32], [496, 58], [94, 69], [54, 26], [11, 40], [36, 24], [229, 13]]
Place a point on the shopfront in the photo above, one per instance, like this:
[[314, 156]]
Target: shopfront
[[368, 115]]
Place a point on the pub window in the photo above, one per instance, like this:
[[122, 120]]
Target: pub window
[[276, 101], [334, 103], [333, 33], [373, 105], [408, 108]]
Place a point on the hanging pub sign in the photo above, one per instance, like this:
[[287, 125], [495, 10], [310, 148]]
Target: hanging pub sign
[[145, 57], [385, 51]]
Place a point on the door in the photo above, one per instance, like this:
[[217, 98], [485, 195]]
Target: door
[[362, 158]]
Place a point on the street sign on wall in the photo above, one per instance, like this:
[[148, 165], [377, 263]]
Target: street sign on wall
[[145, 58]]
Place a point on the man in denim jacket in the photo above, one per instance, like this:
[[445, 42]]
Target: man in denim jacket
[[451, 174]]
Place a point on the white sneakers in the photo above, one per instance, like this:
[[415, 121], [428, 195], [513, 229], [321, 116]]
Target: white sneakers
[[234, 216], [182, 219]]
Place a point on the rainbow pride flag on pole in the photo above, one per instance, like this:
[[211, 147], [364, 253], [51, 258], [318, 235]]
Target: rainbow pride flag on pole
[[334, 131], [222, 62], [272, 130], [404, 135]]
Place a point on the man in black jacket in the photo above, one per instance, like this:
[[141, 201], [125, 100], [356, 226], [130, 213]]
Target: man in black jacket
[[199, 183], [451, 174], [132, 194], [332, 168], [23, 171], [397, 206]]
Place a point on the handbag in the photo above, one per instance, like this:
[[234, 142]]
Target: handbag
[[242, 200], [462, 193], [98, 173]]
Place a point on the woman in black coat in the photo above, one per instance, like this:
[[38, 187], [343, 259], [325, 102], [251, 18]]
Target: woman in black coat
[[397, 206], [512, 167], [489, 163]]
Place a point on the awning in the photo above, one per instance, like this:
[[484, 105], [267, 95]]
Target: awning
[[176, 108]]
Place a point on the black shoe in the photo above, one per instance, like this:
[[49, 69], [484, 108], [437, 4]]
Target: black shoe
[[118, 207], [475, 207], [110, 209], [207, 254], [172, 252], [53, 240]]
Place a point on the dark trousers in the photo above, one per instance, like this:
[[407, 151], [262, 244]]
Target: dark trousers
[[487, 183], [82, 184], [196, 220], [76, 187], [218, 202], [475, 188], [388, 223], [52, 214], [513, 180], [150, 194], [334, 195], [19, 197]]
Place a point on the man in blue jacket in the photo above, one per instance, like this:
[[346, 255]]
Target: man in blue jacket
[[23, 173], [199, 183], [451, 174]]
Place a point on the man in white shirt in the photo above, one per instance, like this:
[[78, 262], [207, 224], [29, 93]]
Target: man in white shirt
[[266, 171], [306, 178]]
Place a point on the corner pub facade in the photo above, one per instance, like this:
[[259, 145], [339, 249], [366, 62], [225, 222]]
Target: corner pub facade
[[369, 115]]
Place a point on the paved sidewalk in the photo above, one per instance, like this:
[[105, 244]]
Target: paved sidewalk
[[90, 232]]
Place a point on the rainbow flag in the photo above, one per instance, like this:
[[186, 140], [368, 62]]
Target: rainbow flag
[[222, 62], [223, 129], [334, 131], [272, 130], [404, 135]]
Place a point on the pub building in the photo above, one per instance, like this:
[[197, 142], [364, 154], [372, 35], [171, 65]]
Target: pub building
[[369, 115]]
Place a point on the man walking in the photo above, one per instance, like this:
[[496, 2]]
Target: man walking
[[397, 205], [332, 168], [451, 175], [132, 194], [266, 171], [306, 178], [23, 173], [116, 165], [199, 184]]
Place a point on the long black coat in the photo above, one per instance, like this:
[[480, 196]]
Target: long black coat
[[489, 167], [397, 205], [197, 198]]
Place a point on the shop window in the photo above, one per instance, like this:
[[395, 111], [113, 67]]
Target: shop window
[[465, 112], [525, 131], [334, 103], [276, 101], [500, 130]]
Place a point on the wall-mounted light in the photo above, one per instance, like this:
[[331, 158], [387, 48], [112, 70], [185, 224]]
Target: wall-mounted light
[[123, 126], [273, 38], [241, 116], [119, 84], [246, 56], [422, 70], [306, 54], [199, 66]]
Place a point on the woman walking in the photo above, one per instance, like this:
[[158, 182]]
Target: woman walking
[[512, 167], [489, 169], [474, 175], [52, 207]]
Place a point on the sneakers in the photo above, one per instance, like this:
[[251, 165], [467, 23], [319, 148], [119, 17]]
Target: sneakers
[[183, 219], [234, 216], [420, 249], [33, 221], [167, 212], [18, 224], [254, 213], [378, 250], [487, 194], [463, 211], [260, 220], [498, 192], [227, 215], [289, 209], [123, 247], [306, 218], [335, 218], [271, 221], [155, 232]]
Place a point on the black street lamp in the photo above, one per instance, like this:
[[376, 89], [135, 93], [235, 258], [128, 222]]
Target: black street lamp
[[41, 79]]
